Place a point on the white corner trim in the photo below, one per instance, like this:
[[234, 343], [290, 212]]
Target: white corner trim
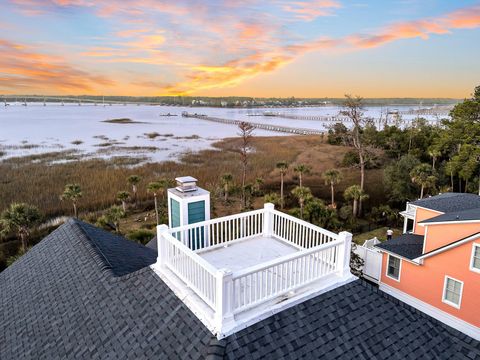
[[399, 270], [448, 247], [472, 268], [448, 319], [448, 302]]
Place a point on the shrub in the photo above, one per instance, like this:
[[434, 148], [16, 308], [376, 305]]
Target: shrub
[[141, 235]]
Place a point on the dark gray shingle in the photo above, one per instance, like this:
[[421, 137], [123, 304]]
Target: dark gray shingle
[[409, 246], [450, 202], [464, 215]]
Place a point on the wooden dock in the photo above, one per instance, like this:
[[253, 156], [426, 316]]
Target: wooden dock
[[269, 127]]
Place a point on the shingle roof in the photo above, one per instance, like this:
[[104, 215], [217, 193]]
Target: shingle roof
[[152, 244], [450, 202], [465, 215], [409, 246], [62, 301]]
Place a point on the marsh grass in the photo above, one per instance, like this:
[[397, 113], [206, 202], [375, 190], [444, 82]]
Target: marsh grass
[[31, 179]]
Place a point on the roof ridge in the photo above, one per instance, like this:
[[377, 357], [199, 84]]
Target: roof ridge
[[93, 249]]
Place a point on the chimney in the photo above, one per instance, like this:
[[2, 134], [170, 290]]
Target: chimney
[[187, 203]]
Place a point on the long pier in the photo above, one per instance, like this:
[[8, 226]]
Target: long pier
[[269, 127]]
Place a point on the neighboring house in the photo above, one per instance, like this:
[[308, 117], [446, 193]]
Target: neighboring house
[[435, 265]]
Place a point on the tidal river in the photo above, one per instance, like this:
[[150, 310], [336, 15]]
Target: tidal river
[[37, 129]]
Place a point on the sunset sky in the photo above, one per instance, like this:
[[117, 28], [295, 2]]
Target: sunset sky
[[302, 48]]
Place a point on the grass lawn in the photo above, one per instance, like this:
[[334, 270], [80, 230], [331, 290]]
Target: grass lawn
[[380, 233]]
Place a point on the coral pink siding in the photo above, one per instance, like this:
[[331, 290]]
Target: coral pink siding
[[425, 282], [423, 214], [443, 234]]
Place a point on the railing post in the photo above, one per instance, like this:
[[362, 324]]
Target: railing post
[[344, 253], [224, 299], [268, 219], [161, 231]]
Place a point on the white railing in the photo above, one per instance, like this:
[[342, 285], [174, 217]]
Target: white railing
[[197, 273], [320, 254], [220, 231], [264, 282], [298, 232]]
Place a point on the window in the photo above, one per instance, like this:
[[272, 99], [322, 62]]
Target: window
[[475, 262], [452, 292], [393, 267]]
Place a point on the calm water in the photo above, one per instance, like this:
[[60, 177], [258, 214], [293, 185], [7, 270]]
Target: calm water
[[33, 129]]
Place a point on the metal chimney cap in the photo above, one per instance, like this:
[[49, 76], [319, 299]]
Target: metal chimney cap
[[185, 179]]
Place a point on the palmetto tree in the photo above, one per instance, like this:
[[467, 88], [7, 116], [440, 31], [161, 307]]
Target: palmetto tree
[[133, 181], [356, 194], [302, 194], [302, 169], [123, 196], [422, 175], [282, 166], [226, 182], [72, 192], [434, 154], [154, 188], [113, 215], [19, 218], [332, 177]]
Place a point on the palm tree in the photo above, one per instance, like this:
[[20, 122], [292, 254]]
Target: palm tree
[[422, 175], [19, 218], [226, 182], [332, 177], [165, 184], [356, 194], [133, 180], [302, 169], [282, 166], [123, 196], [72, 192], [303, 194], [434, 154], [154, 188], [113, 215]]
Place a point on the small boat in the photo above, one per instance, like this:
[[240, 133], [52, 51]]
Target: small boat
[[168, 114]]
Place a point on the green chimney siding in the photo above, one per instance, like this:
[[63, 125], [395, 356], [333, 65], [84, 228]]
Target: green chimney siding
[[196, 213], [175, 212]]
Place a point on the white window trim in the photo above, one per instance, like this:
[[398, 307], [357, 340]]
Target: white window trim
[[472, 268], [399, 269], [445, 287]]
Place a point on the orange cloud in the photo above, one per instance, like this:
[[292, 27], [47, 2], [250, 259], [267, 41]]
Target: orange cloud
[[22, 68], [461, 19]]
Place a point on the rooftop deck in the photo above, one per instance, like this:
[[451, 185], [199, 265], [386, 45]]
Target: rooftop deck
[[250, 252], [237, 270]]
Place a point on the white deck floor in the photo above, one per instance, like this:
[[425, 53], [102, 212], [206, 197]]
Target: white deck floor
[[247, 253]]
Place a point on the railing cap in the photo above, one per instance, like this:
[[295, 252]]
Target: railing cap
[[269, 206], [162, 228]]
